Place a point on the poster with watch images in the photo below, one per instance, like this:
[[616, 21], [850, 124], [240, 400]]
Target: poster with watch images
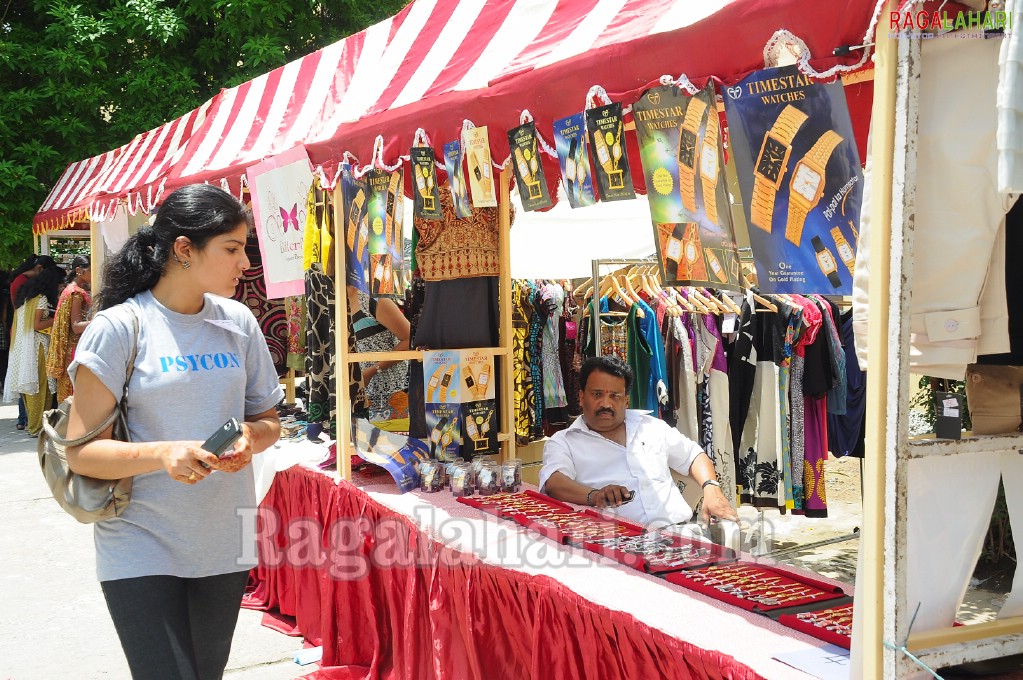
[[385, 210], [443, 395], [606, 131], [479, 428], [396, 453], [444, 437], [426, 193], [355, 209], [476, 143], [800, 179], [529, 176], [680, 150], [572, 147], [453, 159]]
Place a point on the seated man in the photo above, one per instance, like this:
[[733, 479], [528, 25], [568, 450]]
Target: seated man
[[611, 451]]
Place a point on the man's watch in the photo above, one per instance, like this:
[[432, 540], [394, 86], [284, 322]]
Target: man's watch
[[711, 482]]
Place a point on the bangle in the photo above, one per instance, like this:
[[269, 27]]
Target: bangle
[[588, 501], [711, 482]]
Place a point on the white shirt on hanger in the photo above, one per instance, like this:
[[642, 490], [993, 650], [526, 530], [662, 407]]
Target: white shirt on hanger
[[652, 447]]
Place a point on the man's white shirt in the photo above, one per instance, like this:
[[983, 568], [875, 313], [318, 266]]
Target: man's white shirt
[[642, 465]]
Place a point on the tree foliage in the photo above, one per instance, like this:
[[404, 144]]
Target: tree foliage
[[81, 77]]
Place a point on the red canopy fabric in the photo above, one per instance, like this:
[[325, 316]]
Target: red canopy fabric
[[135, 167], [438, 62], [68, 201]]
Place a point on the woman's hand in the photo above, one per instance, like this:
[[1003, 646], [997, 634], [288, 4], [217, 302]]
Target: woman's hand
[[187, 462], [370, 372], [240, 454]]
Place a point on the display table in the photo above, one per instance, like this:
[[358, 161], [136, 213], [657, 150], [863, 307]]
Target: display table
[[421, 586]]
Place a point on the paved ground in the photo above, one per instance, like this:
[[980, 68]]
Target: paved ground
[[55, 623]]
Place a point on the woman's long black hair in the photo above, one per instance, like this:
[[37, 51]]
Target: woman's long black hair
[[46, 282], [197, 211]]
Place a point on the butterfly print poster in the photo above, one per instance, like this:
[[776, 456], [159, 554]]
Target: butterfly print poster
[[279, 187]]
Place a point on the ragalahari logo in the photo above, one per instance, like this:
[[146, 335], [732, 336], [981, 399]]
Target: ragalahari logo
[[943, 21]]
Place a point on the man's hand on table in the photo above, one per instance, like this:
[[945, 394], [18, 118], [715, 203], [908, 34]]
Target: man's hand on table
[[610, 496]]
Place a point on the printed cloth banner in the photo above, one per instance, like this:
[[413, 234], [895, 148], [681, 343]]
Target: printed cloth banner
[[606, 129], [355, 206], [529, 175], [396, 453], [800, 179], [476, 144], [424, 182], [386, 218], [680, 149], [456, 179], [443, 393], [574, 158], [279, 187]]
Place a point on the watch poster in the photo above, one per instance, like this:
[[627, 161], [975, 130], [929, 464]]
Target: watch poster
[[479, 429], [385, 210], [476, 143], [800, 179], [398, 454], [574, 158], [443, 396], [426, 193], [355, 207], [456, 179], [680, 149], [606, 129], [529, 174]]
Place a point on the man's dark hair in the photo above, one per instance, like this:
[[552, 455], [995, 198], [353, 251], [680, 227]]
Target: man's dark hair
[[610, 365]]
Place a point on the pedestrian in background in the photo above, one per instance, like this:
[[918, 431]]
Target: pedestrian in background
[[26, 369], [69, 322]]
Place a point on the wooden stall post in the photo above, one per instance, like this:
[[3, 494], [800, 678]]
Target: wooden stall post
[[507, 396], [345, 445], [97, 254]]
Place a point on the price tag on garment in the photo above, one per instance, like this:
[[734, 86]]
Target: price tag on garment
[[227, 325], [728, 324]]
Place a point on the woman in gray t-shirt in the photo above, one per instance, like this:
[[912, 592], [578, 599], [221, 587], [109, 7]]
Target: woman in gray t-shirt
[[174, 564]]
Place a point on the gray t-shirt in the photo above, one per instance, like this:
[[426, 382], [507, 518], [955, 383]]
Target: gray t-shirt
[[192, 373]]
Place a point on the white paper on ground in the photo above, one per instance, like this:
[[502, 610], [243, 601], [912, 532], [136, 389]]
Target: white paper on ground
[[309, 655], [828, 662]]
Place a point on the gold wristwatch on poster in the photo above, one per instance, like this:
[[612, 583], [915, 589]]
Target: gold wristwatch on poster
[[771, 163], [709, 166], [807, 185], [715, 266], [688, 138], [826, 261], [354, 213], [845, 251]]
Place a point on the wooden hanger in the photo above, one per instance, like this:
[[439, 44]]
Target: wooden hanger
[[757, 297], [730, 303]]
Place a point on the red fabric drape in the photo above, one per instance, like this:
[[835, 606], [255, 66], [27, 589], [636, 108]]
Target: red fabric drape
[[386, 601]]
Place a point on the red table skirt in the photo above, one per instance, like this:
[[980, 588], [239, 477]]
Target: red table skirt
[[386, 601]]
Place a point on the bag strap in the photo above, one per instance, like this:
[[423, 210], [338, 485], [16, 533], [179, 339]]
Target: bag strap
[[120, 409]]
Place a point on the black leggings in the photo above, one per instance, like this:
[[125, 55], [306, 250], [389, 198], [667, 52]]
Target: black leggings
[[175, 628]]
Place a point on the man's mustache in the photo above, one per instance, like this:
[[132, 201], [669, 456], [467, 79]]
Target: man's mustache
[[609, 411]]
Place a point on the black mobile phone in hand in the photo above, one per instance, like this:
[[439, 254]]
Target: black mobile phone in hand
[[224, 438]]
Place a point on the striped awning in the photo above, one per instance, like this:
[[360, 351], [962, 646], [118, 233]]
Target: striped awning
[[69, 200], [438, 62], [90, 189]]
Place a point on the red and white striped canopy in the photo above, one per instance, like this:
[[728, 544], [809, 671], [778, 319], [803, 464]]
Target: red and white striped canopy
[[129, 172], [68, 201], [438, 62]]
